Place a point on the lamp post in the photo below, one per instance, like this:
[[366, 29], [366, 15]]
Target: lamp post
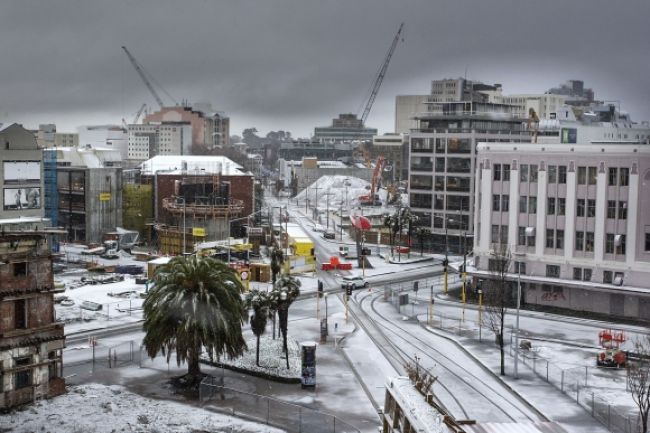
[[326, 315], [283, 312], [517, 322], [480, 313]]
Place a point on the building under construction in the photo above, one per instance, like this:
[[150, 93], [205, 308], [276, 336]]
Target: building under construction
[[31, 341], [197, 199]]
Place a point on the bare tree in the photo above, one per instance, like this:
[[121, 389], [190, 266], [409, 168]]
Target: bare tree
[[421, 378], [497, 296], [638, 380]]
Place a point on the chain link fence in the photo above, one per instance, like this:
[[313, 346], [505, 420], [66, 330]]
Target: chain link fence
[[290, 417]]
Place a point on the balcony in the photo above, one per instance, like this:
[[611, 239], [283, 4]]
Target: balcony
[[176, 207]]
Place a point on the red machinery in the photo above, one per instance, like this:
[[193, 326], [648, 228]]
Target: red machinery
[[371, 198], [611, 354]]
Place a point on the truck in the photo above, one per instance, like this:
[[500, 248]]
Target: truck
[[124, 239]]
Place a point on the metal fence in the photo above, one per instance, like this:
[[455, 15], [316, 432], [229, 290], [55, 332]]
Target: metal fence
[[290, 417], [573, 381]]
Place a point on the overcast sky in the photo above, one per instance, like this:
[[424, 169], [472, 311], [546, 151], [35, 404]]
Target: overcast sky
[[293, 65]]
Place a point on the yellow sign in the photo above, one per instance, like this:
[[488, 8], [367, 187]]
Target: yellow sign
[[198, 231], [104, 196]]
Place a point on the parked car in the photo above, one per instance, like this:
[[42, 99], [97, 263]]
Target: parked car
[[354, 281], [329, 235]]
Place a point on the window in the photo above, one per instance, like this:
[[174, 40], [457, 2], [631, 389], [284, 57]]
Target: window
[[505, 203], [647, 241], [23, 378], [20, 269], [619, 242], [612, 176], [609, 243], [550, 238], [577, 274], [496, 202], [523, 204], [586, 274], [624, 176], [580, 208], [497, 171], [553, 271], [582, 175], [440, 165], [592, 175], [20, 314], [589, 242], [495, 234], [559, 239], [530, 240], [561, 174], [520, 268], [561, 206], [607, 277], [580, 241], [506, 172], [552, 174], [522, 236], [503, 238], [618, 278], [532, 204], [611, 209], [622, 210], [523, 173], [591, 208], [533, 172], [550, 206]]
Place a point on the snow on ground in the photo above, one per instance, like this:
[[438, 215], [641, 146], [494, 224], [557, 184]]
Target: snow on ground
[[108, 409], [332, 189]]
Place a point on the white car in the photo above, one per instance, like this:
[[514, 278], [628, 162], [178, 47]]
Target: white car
[[354, 281]]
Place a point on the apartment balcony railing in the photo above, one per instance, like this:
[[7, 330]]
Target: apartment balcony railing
[[233, 208]]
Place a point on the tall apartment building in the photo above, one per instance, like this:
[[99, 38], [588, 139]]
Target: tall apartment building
[[210, 128], [47, 137], [149, 140], [31, 341], [574, 213], [442, 154]]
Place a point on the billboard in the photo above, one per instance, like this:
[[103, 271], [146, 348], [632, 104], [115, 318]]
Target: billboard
[[22, 171], [22, 198]]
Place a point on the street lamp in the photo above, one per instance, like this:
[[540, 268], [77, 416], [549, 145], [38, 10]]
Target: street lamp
[[517, 321], [326, 326], [283, 311]]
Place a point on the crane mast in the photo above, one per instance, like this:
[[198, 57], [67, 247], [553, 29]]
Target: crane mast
[[381, 75], [140, 72]]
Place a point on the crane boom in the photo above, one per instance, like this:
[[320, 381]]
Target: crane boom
[[139, 113], [140, 72], [381, 75]]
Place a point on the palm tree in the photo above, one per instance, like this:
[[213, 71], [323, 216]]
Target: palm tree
[[285, 291], [277, 259], [195, 303], [259, 302], [407, 219], [392, 223]]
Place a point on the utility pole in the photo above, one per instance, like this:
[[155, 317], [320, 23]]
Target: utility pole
[[327, 212], [446, 263]]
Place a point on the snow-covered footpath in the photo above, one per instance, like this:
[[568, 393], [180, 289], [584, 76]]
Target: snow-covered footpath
[[112, 409]]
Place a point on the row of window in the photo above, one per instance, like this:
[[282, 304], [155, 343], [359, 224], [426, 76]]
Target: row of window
[[553, 271], [557, 206], [557, 174]]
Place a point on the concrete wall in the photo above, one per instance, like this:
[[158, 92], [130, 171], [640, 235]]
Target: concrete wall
[[103, 215]]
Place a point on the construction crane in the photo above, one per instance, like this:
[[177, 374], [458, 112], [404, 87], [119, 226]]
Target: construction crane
[[140, 70], [380, 76], [139, 113]]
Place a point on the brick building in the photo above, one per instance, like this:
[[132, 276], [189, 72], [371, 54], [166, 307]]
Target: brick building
[[31, 341]]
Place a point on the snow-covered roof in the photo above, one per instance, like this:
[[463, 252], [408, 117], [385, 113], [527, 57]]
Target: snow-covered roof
[[200, 164], [93, 157], [423, 417]]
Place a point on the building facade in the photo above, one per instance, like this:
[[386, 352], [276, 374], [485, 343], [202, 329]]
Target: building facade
[[210, 129], [442, 162], [347, 127], [575, 219], [149, 140], [21, 173], [31, 341]]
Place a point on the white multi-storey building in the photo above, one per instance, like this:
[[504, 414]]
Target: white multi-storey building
[[149, 140], [573, 212]]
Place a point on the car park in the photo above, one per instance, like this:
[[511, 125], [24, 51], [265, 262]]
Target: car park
[[354, 281]]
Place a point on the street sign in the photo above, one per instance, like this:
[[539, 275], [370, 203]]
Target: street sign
[[198, 231], [104, 196]]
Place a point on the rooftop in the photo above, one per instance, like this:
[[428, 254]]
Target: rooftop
[[192, 164]]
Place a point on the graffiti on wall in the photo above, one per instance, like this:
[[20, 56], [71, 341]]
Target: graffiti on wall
[[552, 293]]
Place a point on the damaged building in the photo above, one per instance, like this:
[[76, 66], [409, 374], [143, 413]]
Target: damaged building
[[31, 341]]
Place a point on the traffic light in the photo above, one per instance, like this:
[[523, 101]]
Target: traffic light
[[445, 262], [320, 289], [348, 290]]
